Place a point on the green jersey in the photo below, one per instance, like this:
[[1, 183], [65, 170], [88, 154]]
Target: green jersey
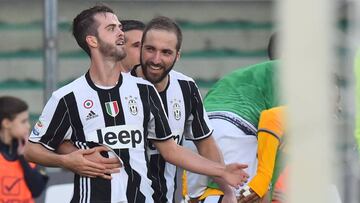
[[249, 91]]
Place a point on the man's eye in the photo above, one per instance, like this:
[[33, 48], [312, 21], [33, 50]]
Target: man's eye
[[167, 53]]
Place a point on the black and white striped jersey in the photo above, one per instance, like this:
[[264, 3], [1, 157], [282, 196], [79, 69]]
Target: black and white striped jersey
[[187, 118], [123, 118]]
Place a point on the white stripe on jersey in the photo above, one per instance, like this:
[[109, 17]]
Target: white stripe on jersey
[[84, 182], [179, 101]]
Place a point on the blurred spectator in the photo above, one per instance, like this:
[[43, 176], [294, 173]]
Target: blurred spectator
[[20, 181]]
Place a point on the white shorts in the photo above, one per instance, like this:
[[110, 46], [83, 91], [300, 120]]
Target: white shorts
[[235, 145]]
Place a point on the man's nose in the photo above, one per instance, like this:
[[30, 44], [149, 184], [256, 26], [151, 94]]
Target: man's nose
[[156, 58], [120, 32]]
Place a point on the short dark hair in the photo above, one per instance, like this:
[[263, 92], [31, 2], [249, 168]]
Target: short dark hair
[[84, 24], [10, 107], [164, 23], [128, 25]]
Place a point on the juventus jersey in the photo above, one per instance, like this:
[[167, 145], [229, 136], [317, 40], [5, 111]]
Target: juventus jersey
[[187, 118], [123, 118]]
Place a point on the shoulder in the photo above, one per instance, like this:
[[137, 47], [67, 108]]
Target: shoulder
[[180, 76], [76, 84], [136, 80]]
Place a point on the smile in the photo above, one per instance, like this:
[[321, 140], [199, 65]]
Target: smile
[[120, 42], [155, 67]]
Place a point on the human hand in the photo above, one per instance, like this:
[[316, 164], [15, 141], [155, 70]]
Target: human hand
[[21, 146], [77, 163], [248, 196], [235, 175], [112, 165]]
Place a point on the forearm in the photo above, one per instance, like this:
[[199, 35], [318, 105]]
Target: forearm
[[38, 154], [188, 160], [210, 150], [66, 148], [35, 181]]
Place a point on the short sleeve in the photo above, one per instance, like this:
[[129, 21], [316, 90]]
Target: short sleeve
[[53, 125], [197, 125]]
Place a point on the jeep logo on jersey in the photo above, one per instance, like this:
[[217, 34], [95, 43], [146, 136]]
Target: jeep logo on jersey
[[133, 107], [119, 137], [177, 111], [112, 108]]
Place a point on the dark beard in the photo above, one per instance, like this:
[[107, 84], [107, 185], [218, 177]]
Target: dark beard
[[155, 81], [107, 50]]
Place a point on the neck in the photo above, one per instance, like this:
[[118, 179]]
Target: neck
[[5, 137], [104, 72], [161, 86], [122, 68]]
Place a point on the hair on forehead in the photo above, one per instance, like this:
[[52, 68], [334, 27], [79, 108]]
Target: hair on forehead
[[128, 25], [167, 24]]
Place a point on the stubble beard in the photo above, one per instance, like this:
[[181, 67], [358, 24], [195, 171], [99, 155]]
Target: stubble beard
[[112, 51]]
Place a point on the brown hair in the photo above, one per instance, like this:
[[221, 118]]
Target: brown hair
[[10, 107], [84, 24], [164, 23]]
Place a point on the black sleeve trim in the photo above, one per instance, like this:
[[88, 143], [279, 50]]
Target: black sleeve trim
[[202, 137], [271, 133], [161, 139]]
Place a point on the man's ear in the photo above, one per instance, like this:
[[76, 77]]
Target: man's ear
[[178, 55], [91, 41]]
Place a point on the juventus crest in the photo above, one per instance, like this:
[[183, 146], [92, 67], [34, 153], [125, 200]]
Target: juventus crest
[[177, 111], [132, 105]]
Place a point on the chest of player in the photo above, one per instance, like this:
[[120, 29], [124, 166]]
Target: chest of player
[[113, 118], [177, 109]]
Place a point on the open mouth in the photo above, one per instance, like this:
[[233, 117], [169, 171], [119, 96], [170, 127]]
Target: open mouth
[[155, 67], [120, 42]]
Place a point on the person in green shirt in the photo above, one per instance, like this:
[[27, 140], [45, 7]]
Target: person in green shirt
[[235, 105]]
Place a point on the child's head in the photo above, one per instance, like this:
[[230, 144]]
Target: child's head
[[14, 117]]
